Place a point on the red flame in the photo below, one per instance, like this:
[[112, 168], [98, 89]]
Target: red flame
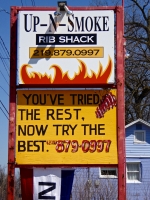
[[79, 78]]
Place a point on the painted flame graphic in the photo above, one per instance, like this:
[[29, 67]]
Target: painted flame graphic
[[62, 78]]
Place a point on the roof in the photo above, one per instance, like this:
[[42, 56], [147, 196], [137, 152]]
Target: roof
[[136, 121]]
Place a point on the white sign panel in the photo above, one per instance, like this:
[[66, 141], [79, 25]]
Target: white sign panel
[[73, 50], [46, 183]]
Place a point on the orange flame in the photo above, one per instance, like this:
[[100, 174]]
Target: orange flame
[[79, 78]]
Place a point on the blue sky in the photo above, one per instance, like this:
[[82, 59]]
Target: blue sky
[[4, 61]]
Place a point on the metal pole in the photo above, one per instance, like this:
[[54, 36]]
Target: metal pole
[[12, 108]]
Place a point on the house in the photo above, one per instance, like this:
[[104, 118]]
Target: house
[[138, 159], [101, 183]]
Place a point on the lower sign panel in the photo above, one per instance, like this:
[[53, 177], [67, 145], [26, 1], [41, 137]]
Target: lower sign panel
[[66, 127], [46, 184]]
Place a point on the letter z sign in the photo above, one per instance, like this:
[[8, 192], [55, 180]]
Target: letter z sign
[[46, 184], [51, 187]]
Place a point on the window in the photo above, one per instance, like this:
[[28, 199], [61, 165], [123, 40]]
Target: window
[[108, 172], [139, 136], [133, 172]]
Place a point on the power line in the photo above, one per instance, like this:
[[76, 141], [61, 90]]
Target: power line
[[4, 113], [4, 58], [4, 64], [1, 9], [4, 107], [33, 2], [4, 90], [4, 77], [22, 2], [4, 54], [3, 51], [4, 47]]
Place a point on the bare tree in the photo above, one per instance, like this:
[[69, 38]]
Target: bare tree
[[137, 64], [17, 186], [104, 2], [91, 187], [3, 183]]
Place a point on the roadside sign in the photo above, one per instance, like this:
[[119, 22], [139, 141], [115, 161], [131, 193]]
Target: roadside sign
[[74, 50], [66, 127]]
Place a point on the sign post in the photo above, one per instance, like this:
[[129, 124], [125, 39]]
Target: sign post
[[12, 108], [121, 106]]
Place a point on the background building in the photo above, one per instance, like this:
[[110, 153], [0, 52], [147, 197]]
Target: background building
[[101, 183]]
